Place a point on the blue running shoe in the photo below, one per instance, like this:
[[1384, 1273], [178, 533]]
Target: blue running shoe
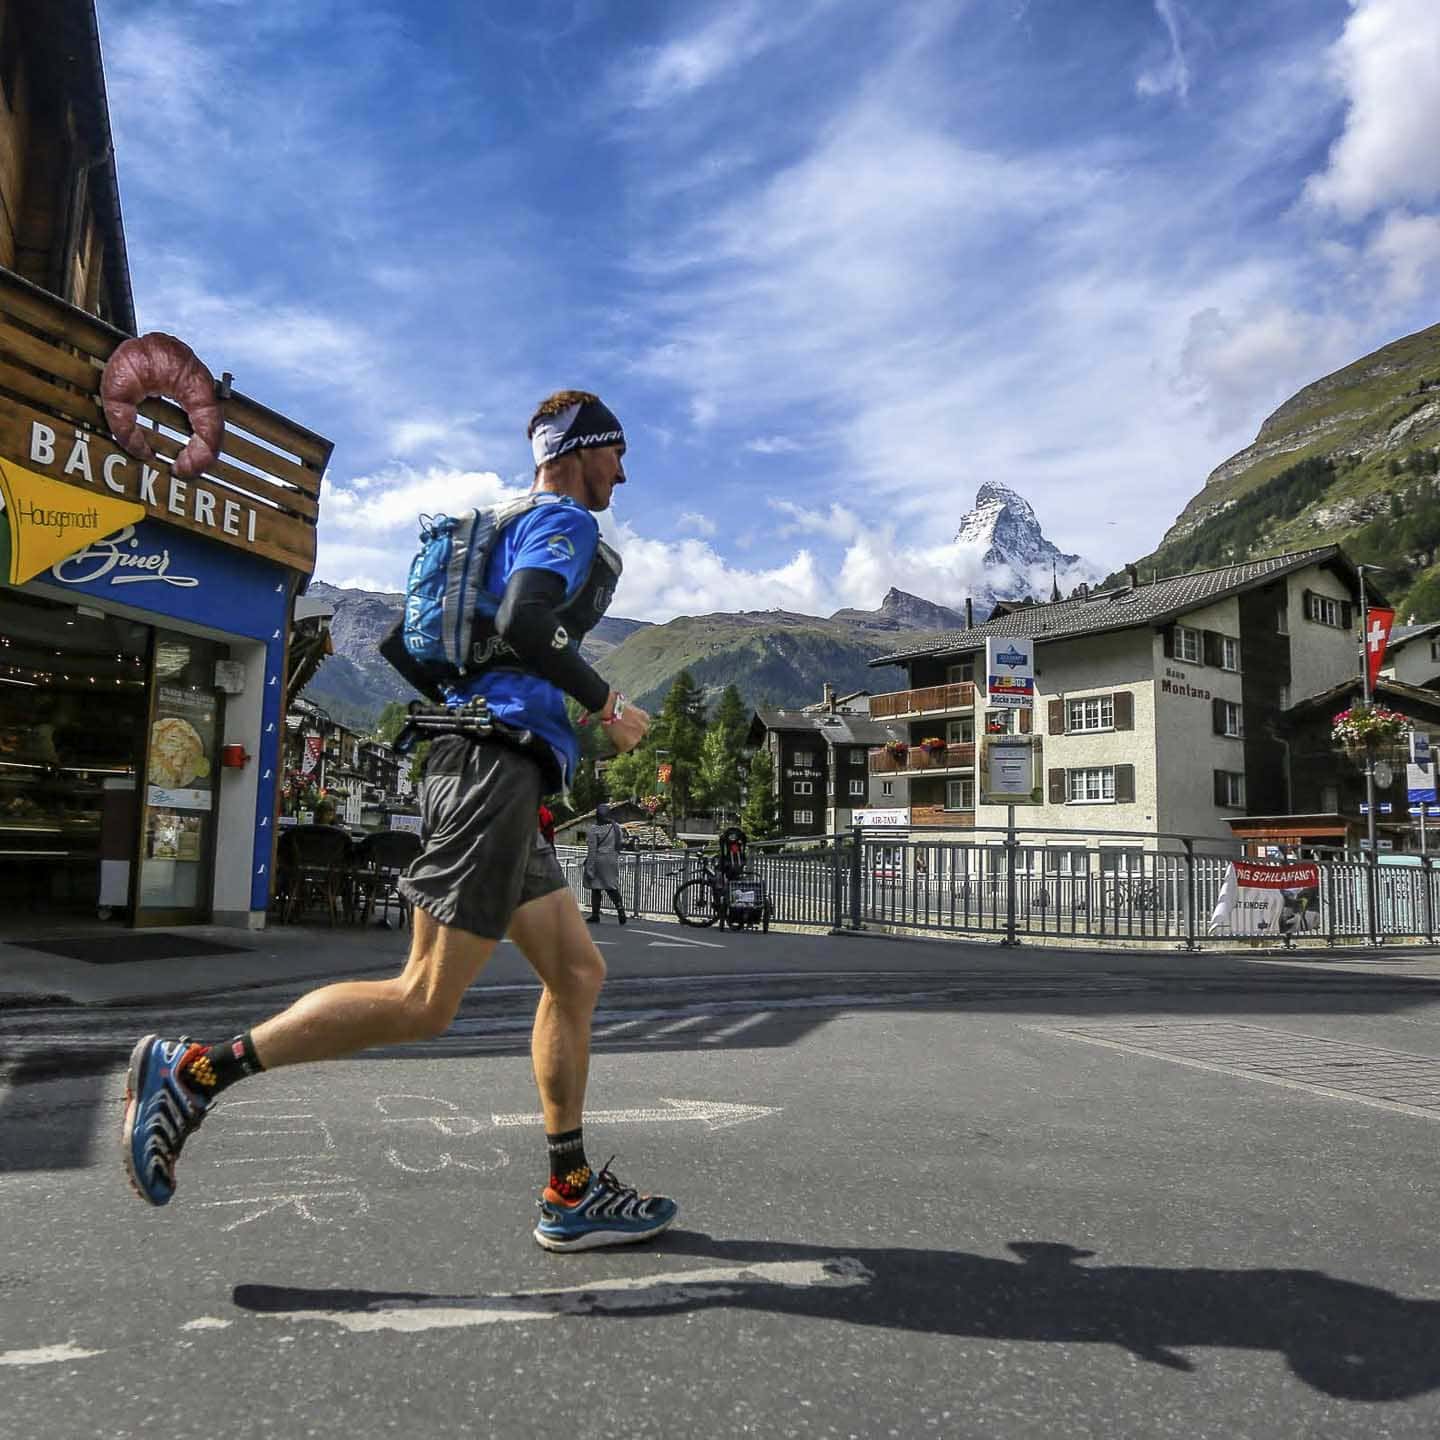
[[161, 1111], [608, 1213]]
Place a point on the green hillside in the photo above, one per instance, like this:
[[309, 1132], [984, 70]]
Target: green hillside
[[1353, 459], [770, 656]]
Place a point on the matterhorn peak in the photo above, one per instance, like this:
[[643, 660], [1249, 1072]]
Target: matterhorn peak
[[1004, 535]]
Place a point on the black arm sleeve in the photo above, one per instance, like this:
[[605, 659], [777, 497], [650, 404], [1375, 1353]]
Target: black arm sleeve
[[527, 624]]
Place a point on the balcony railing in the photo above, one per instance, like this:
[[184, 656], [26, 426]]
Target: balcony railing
[[932, 700], [937, 815], [953, 757]]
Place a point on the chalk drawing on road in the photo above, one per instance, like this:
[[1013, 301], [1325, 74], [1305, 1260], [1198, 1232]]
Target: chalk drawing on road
[[286, 1133], [641, 1292], [716, 1114], [317, 1207], [445, 1118]]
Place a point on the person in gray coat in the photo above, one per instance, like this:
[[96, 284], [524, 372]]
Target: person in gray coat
[[602, 864]]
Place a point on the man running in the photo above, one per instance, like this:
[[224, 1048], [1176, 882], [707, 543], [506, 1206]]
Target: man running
[[482, 873]]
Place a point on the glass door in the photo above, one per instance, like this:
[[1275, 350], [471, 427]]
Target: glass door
[[177, 822]]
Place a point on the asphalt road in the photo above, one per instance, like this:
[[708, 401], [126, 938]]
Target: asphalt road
[[924, 1191]]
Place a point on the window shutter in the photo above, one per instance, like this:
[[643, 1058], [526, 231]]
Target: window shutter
[[1221, 798], [1027, 721], [1217, 716], [1347, 614], [1057, 717], [1124, 703], [1210, 647], [1125, 784], [1168, 635], [1309, 608], [1057, 787]]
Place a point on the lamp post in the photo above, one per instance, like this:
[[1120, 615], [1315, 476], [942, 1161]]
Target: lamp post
[[1370, 805], [661, 756]]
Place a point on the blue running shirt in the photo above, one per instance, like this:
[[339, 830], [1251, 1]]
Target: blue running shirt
[[562, 537]]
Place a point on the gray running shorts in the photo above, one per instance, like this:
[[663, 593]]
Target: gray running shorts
[[483, 856]]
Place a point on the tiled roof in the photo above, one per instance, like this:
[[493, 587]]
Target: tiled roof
[[1404, 634], [1121, 609], [837, 729]]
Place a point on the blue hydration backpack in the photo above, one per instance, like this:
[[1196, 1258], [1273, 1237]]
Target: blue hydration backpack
[[445, 594]]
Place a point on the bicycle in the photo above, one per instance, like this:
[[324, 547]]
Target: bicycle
[[712, 896], [1136, 895], [700, 901]]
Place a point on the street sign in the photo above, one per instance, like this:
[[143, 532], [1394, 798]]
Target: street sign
[[1420, 772], [1383, 808], [1010, 672], [871, 818], [1010, 770]]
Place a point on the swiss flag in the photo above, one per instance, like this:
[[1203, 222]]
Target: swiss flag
[[1377, 637]]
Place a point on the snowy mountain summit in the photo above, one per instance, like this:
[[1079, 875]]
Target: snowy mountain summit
[[1009, 549]]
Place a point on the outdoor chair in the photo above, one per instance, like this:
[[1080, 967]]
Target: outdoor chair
[[380, 860], [313, 862]]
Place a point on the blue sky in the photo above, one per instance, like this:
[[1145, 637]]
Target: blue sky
[[833, 262]]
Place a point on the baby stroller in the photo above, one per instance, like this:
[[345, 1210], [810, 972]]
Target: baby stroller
[[744, 902]]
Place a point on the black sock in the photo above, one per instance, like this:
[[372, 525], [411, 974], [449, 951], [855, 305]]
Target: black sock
[[569, 1170], [219, 1066]]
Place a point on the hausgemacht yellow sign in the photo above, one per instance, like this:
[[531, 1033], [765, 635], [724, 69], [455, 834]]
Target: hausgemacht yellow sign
[[45, 520]]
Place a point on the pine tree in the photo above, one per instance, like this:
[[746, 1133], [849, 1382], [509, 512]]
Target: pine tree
[[722, 757], [759, 820], [679, 731]]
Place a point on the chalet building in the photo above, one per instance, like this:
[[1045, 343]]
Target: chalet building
[[820, 754], [1324, 791], [140, 725], [1157, 705], [1413, 656], [60, 226]]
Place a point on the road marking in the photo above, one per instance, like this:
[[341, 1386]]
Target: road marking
[[616, 1029], [716, 1114], [207, 1322], [740, 1025], [1387, 1069], [47, 1354], [674, 939], [685, 1287], [687, 1023]]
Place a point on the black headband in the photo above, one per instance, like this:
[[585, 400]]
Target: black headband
[[582, 426]]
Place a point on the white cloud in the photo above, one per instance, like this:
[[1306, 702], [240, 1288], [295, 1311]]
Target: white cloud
[[736, 33], [1407, 248], [774, 445], [1387, 61], [370, 525], [1229, 358], [697, 524], [1172, 76]]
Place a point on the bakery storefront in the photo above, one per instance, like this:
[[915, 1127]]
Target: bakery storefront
[[144, 625]]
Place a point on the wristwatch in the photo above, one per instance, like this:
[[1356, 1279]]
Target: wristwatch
[[616, 711]]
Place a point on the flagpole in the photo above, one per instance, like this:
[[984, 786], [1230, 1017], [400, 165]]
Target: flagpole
[[1373, 872]]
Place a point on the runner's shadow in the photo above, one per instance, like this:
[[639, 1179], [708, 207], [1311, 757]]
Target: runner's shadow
[[1352, 1341]]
